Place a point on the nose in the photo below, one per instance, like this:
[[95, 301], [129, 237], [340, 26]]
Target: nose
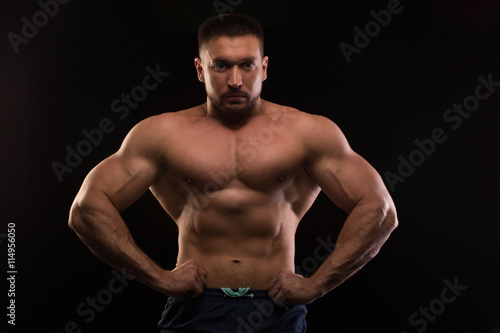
[[235, 79]]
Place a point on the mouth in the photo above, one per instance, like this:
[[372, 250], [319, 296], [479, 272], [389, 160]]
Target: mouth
[[235, 97], [235, 94]]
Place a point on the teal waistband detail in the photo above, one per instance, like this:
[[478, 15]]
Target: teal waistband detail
[[242, 292]]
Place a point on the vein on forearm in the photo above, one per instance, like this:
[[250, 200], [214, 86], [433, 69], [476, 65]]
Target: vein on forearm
[[366, 229], [100, 226]]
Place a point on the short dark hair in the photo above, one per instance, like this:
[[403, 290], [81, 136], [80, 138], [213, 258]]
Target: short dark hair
[[230, 25]]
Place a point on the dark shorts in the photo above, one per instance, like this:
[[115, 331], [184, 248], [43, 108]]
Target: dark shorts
[[215, 312]]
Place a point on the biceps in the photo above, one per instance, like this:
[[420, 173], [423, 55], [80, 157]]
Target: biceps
[[347, 179], [122, 180]]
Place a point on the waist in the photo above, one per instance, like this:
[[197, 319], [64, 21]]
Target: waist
[[235, 272], [243, 293]]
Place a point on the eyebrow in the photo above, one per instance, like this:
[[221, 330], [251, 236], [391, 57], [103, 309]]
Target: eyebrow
[[224, 60]]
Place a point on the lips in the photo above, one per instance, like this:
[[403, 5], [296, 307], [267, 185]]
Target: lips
[[235, 95], [235, 92]]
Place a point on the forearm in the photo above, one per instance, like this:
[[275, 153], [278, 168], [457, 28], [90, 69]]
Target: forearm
[[99, 225], [365, 231]]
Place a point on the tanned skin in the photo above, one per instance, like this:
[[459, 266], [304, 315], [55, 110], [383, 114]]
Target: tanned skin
[[236, 174]]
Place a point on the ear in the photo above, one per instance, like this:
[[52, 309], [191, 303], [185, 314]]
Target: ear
[[199, 69], [265, 62]]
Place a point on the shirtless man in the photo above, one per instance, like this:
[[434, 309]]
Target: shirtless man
[[236, 174]]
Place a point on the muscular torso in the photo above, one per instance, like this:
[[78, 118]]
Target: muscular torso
[[236, 192]]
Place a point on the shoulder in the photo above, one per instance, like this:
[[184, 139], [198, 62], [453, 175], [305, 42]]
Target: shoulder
[[320, 136], [307, 121], [315, 131], [153, 132], [164, 123]]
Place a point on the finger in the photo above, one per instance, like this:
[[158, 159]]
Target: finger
[[272, 283], [277, 291], [199, 290], [282, 302], [201, 277], [273, 292], [280, 298], [201, 282], [191, 264], [196, 290], [274, 287], [203, 271], [201, 286]]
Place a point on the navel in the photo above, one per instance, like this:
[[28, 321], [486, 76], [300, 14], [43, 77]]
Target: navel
[[281, 179], [189, 181]]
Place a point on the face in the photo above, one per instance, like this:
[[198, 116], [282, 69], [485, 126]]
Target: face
[[233, 70]]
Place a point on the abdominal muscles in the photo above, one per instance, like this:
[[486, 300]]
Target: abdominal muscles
[[241, 237]]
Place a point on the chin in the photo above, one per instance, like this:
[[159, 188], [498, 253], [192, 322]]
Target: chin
[[235, 110]]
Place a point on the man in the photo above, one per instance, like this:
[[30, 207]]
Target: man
[[236, 174]]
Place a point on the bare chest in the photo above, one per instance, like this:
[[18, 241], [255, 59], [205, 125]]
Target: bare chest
[[260, 157]]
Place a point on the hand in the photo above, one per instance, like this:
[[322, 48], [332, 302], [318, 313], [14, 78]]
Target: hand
[[188, 279], [291, 287]]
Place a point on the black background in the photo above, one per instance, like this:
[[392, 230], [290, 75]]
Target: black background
[[394, 91]]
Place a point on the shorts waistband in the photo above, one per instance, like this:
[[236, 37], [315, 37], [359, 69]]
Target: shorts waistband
[[250, 293]]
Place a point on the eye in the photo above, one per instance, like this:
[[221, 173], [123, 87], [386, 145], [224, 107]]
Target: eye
[[248, 65], [219, 67]]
